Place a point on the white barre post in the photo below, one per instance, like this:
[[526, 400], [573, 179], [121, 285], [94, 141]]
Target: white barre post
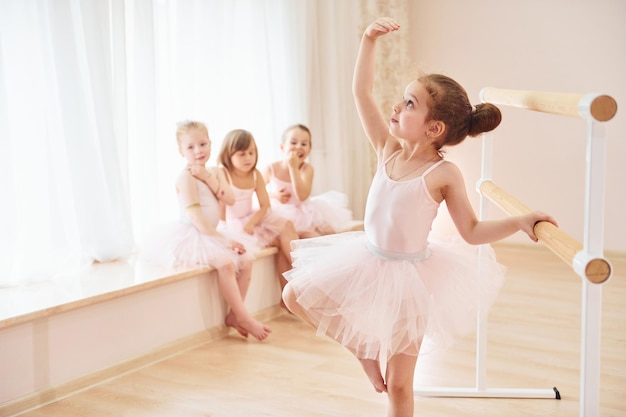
[[593, 244], [594, 108], [482, 320]]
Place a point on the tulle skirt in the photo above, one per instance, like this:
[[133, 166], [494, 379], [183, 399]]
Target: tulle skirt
[[323, 214], [378, 305], [265, 232], [180, 244]]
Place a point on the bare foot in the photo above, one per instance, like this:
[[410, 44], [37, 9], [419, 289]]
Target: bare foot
[[258, 330], [231, 321], [372, 370]]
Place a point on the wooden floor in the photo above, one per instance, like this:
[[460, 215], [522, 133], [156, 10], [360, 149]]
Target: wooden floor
[[534, 342]]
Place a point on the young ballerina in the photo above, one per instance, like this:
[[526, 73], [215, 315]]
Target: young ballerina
[[238, 156], [194, 240], [290, 182], [382, 291]]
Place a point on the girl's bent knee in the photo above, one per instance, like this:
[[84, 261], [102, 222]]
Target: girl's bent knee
[[227, 269], [289, 297], [290, 230], [246, 265]]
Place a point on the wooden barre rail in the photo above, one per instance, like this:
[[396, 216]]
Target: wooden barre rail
[[597, 270], [601, 107]]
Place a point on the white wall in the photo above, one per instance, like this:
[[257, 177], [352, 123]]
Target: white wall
[[574, 46]]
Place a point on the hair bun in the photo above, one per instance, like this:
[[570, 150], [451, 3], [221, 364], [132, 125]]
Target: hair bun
[[484, 118]]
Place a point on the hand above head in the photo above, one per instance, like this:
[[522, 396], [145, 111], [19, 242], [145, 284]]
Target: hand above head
[[381, 26]]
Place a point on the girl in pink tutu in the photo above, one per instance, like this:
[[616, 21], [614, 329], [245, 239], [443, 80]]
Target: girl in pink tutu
[[380, 292], [194, 240], [290, 182], [239, 157]]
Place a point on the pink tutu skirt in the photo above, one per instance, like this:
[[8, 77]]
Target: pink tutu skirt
[[180, 244], [265, 232], [378, 305], [324, 213]]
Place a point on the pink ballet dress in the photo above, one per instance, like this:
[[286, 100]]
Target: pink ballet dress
[[380, 291], [323, 213], [182, 244], [238, 214]]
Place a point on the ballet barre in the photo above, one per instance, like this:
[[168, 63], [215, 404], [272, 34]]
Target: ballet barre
[[596, 270], [586, 258], [599, 106]]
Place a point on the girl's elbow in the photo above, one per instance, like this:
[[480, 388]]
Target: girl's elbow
[[466, 237], [469, 237], [472, 240]]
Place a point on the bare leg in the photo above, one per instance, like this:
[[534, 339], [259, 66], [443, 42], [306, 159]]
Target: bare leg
[[282, 265], [286, 236], [227, 283], [372, 370], [283, 258], [289, 300], [400, 372], [243, 278], [306, 235], [243, 282], [370, 366], [231, 321]]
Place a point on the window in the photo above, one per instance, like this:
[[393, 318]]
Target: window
[[90, 93]]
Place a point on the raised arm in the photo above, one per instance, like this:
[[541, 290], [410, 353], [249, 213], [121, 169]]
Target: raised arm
[[301, 178], [374, 123]]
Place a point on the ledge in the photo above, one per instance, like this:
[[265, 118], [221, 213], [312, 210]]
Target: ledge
[[96, 284]]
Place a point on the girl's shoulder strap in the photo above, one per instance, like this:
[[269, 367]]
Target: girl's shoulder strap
[[433, 166], [393, 154]]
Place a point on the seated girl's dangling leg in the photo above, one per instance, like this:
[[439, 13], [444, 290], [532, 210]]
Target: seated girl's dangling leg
[[240, 319]]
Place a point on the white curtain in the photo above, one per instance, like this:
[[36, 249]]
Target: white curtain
[[91, 90], [64, 200], [341, 153]]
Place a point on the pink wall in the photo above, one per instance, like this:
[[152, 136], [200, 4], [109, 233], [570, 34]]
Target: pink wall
[[561, 46]]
